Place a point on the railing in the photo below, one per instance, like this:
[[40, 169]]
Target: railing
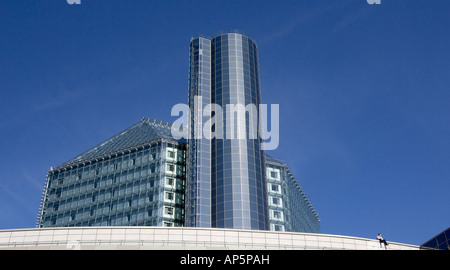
[[181, 238], [87, 244]]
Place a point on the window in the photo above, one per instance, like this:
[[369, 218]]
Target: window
[[171, 168], [167, 224], [170, 182], [275, 188], [171, 154], [278, 215], [169, 196], [278, 228], [168, 210], [275, 200], [273, 174]]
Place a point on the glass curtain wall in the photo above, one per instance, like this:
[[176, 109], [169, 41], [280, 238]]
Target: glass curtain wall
[[239, 195], [226, 172], [289, 208], [198, 189], [142, 186]]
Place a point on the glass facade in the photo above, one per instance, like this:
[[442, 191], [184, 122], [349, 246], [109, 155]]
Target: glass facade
[[141, 184], [289, 208], [224, 72], [198, 189], [238, 180], [440, 241], [220, 177]]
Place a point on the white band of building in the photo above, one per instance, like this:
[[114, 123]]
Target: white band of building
[[182, 238]]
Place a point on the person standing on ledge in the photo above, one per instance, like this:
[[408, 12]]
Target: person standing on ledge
[[382, 240]]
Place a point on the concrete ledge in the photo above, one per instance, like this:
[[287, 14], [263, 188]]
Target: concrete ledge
[[181, 238]]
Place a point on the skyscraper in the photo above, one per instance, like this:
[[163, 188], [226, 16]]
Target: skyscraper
[[226, 173]]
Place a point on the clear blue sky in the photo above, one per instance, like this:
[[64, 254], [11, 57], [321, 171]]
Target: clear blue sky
[[364, 94]]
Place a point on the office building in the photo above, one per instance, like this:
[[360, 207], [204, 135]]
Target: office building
[[226, 172], [135, 178], [216, 178], [289, 208]]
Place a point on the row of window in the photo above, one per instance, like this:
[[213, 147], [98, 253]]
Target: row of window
[[217, 49], [105, 202], [143, 218], [134, 186], [117, 208], [140, 190], [135, 178], [233, 47], [113, 176], [203, 63], [119, 164], [217, 84]]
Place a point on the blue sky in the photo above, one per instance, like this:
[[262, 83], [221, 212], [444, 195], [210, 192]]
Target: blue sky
[[363, 93]]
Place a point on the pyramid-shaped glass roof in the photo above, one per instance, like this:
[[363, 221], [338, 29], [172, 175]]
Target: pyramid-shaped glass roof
[[147, 130]]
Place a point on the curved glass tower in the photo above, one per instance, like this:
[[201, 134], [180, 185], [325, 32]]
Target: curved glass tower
[[235, 171]]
